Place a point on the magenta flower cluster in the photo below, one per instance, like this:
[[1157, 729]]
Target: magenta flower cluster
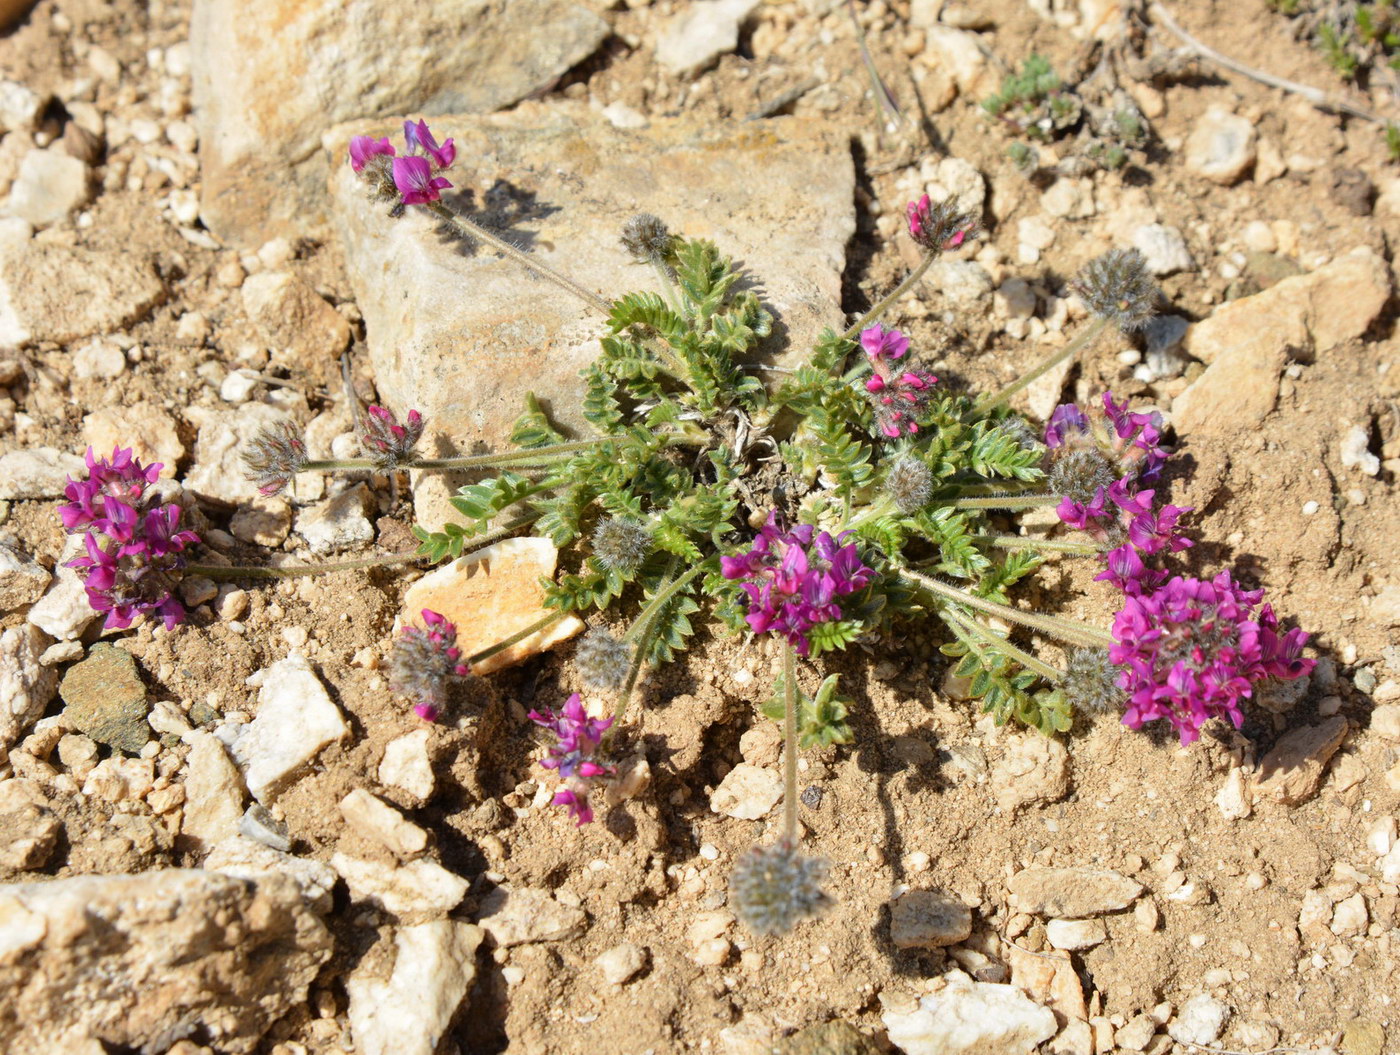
[[386, 441], [135, 548], [898, 395], [422, 661], [938, 226], [414, 173], [574, 755], [793, 577], [1193, 649], [1124, 448]]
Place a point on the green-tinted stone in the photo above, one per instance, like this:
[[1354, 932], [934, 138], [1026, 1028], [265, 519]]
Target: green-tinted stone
[[106, 699], [1363, 1037], [828, 1038]]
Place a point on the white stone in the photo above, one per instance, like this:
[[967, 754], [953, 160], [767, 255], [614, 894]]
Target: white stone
[[50, 185], [1075, 934], [406, 765], [1015, 299], [295, 719], [1233, 799], [523, 915], [1350, 917], [262, 107], [959, 53], [1069, 199], [409, 1012], [38, 472], [99, 359], [213, 792], [747, 792], [958, 180], [26, 686], [971, 1018], [20, 107], [621, 963], [223, 436], [337, 523], [51, 292], [417, 889], [64, 612], [1164, 248], [964, 283], [1199, 1021], [1221, 147], [620, 115], [1355, 452], [1035, 769], [249, 859], [1035, 232], [239, 386], [376, 820], [700, 33]]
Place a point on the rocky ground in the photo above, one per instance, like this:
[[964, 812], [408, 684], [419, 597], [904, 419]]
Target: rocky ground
[[233, 837]]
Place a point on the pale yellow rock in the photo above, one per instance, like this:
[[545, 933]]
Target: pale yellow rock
[[144, 427], [491, 595], [1292, 771], [376, 820]]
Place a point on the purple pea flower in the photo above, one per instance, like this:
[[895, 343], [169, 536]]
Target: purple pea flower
[[573, 755], [386, 441], [880, 343], [134, 546], [418, 137], [1193, 650], [414, 178], [364, 148], [897, 396], [794, 578]]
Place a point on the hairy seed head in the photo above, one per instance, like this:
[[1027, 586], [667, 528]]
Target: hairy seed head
[[1079, 473], [909, 483], [1091, 681], [646, 237], [621, 544], [274, 456], [603, 660], [776, 887], [1116, 286]]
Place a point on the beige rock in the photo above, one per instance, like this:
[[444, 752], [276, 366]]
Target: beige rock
[[1233, 799], [621, 963], [1072, 892], [269, 79], [409, 1011], [144, 427], [1221, 147], [1075, 934], [779, 198], [492, 594], [747, 792], [414, 891], [26, 687], [295, 321], [971, 1018], [1035, 769], [57, 293], [928, 919], [29, 829], [123, 959], [213, 792], [50, 184], [223, 436], [379, 822], [249, 859], [1292, 771], [523, 915], [23, 580], [1350, 917], [698, 34], [958, 52], [1050, 978], [1385, 721]]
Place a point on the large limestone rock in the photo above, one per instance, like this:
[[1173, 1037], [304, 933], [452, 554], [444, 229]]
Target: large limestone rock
[[127, 959], [58, 293], [461, 333], [271, 75]]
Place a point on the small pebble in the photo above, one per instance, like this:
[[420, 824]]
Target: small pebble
[[709, 852], [1309, 508]]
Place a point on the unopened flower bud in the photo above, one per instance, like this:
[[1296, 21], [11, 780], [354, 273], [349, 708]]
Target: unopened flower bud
[[621, 544], [910, 484], [646, 237], [275, 455], [422, 661], [773, 888], [1116, 286], [941, 226], [1081, 473], [386, 441]]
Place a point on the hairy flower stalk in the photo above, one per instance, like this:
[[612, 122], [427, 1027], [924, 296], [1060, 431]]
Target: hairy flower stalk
[[648, 239], [135, 548], [573, 755], [1194, 649], [423, 660]]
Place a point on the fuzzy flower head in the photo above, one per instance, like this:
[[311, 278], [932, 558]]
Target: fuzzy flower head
[[938, 228], [774, 888], [274, 457], [897, 395], [603, 660], [423, 659], [792, 579], [646, 237], [573, 755], [1193, 650], [1089, 454], [383, 439], [134, 556], [1091, 681], [621, 544], [1116, 286], [410, 178], [909, 483]]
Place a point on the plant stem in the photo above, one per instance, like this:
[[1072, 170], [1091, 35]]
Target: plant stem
[[1072, 631], [899, 291], [472, 229], [516, 638], [477, 542], [1034, 501], [641, 631], [1001, 644], [1054, 359], [1049, 545], [789, 745], [293, 571], [668, 288]]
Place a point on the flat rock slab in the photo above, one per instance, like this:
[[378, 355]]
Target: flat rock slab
[[126, 958], [57, 293], [1074, 893], [461, 334], [1292, 771], [971, 1018], [105, 698], [525, 915], [270, 77], [928, 919], [414, 892], [491, 595]]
